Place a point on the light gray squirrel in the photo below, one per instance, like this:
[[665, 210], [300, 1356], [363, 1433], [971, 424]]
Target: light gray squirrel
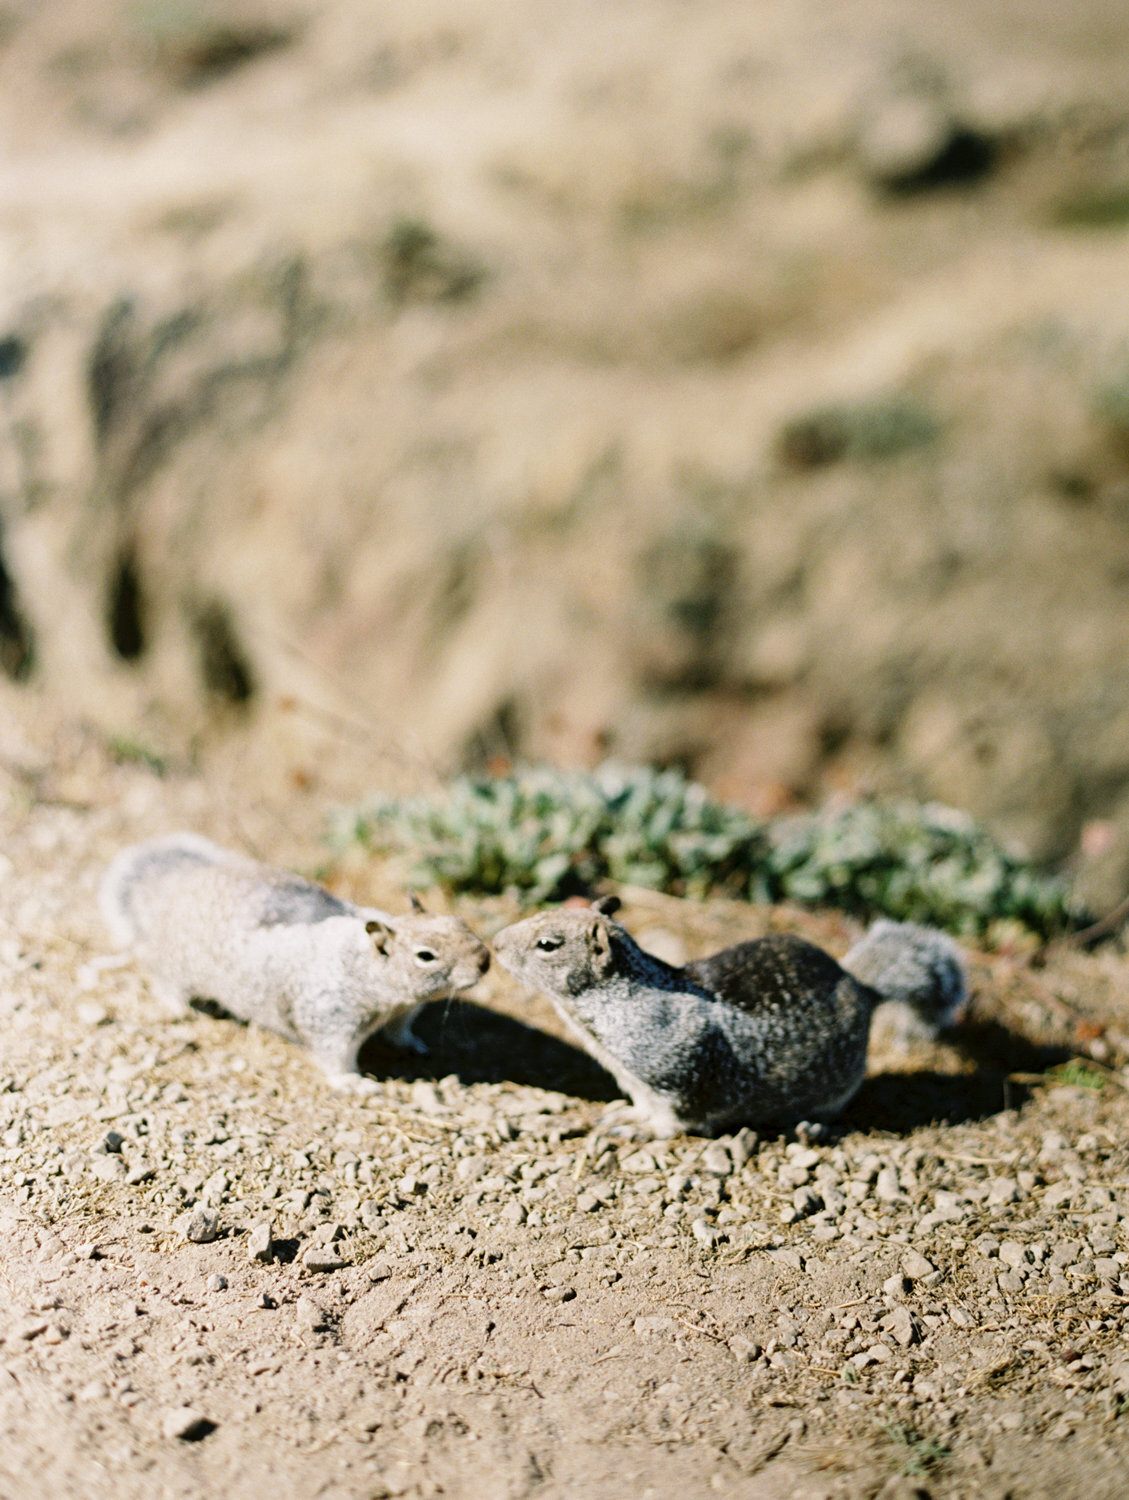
[[769, 1032], [273, 948]]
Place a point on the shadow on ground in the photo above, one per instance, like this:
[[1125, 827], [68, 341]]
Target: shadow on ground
[[480, 1045], [1001, 1064]]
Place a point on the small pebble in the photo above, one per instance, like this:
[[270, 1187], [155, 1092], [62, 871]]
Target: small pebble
[[108, 1168], [916, 1266], [186, 1424], [217, 1283], [260, 1241], [201, 1226], [309, 1314], [319, 1256], [706, 1233], [887, 1187], [899, 1322], [1003, 1190], [717, 1160], [877, 1354]]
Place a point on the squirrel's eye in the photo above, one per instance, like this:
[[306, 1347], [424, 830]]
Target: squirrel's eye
[[549, 944], [425, 956]]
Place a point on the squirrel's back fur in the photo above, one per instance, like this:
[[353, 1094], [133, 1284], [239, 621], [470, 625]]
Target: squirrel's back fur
[[276, 949], [772, 1031]]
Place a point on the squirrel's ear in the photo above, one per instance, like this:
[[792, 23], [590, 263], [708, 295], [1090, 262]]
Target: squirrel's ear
[[381, 932], [599, 942], [416, 904], [607, 905]]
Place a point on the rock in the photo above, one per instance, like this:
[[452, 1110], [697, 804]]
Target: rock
[[426, 1098], [742, 1146], [319, 1256], [717, 1160], [186, 1424], [806, 1202], [705, 1233], [1014, 1255], [108, 1168], [877, 1354], [217, 1283], [745, 1351], [640, 1162], [887, 1188], [371, 1215], [785, 1257], [899, 1322], [513, 1213], [587, 1202], [1058, 1195], [112, 1141], [648, 1326], [260, 1241], [896, 1286], [309, 1313], [916, 1266], [1003, 1190], [201, 1226]]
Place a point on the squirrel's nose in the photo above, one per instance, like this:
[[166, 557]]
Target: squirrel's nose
[[483, 960]]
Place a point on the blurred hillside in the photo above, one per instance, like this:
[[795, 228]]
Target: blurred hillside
[[739, 387]]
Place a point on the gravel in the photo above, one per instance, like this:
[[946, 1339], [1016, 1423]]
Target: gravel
[[268, 1268]]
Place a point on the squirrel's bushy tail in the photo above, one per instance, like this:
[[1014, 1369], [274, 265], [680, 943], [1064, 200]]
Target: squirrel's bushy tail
[[917, 967], [142, 862]]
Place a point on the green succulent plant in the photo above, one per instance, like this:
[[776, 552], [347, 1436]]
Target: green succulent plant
[[545, 834]]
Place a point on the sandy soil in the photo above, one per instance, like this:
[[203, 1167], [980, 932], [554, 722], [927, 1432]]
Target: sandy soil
[[467, 1287]]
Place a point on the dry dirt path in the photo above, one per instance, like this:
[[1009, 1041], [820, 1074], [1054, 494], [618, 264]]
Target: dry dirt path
[[513, 1302]]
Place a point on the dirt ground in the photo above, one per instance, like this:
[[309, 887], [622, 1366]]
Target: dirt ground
[[466, 1286]]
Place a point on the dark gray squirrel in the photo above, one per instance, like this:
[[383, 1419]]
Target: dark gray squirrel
[[769, 1032]]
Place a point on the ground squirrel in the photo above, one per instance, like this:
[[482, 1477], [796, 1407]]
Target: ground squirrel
[[768, 1032], [273, 948]]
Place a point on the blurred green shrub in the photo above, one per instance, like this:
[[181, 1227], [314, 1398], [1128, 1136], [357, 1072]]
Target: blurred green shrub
[[865, 430], [1110, 400], [545, 834], [1093, 208], [419, 266], [197, 41]]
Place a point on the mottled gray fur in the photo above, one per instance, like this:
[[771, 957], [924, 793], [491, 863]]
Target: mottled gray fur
[[768, 1032], [278, 950]]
